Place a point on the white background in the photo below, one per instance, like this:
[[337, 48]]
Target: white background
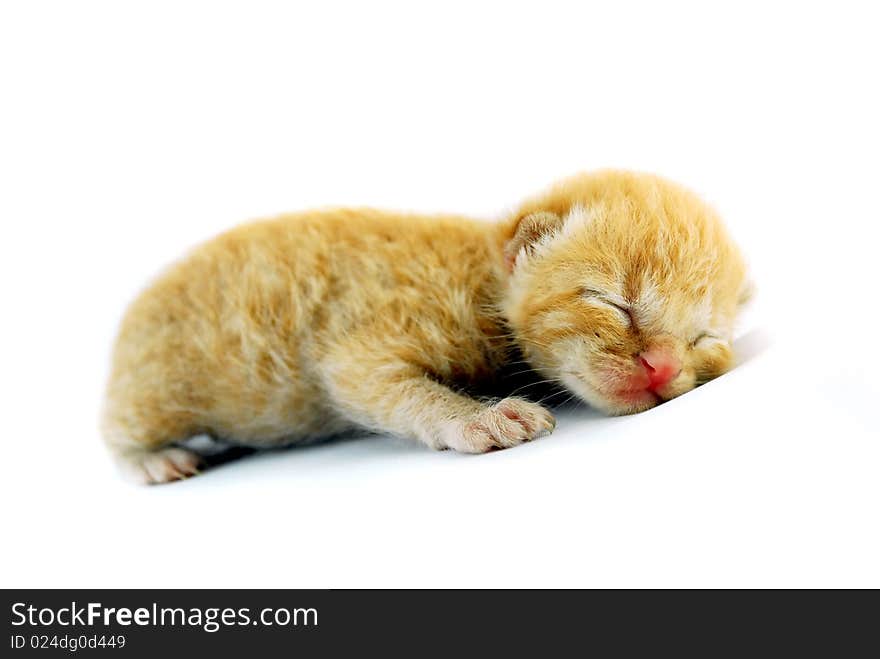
[[131, 131]]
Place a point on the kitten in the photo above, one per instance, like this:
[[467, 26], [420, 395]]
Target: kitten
[[624, 287]]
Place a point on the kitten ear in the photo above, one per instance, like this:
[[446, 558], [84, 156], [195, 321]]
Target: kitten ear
[[530, 230]]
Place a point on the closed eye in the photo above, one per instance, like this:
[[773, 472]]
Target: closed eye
[[615, 303], [705, 336]]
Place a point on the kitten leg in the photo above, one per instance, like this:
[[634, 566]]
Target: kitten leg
[[404, 401]]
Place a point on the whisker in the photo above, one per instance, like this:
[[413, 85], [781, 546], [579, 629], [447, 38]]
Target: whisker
[[557, 393], [535, 384], [523, 371], [567, 400]]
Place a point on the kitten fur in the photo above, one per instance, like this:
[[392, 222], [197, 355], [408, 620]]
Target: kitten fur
[[621, 286]]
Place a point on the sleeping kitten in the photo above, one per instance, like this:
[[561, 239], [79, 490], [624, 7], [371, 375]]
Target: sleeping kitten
[[622, 286]]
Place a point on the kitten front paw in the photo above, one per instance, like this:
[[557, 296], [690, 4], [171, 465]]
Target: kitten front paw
[[507, 423]]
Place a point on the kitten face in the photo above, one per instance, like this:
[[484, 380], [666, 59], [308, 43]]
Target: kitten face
[[625, 288]]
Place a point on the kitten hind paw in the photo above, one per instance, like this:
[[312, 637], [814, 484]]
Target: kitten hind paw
[[164, 465]]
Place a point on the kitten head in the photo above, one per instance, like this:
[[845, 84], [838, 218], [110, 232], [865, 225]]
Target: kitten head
[[624, 287]]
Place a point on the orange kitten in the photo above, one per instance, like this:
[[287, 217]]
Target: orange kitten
[[623, 286]]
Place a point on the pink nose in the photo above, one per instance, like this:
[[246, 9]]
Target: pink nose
[[660, 366]]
